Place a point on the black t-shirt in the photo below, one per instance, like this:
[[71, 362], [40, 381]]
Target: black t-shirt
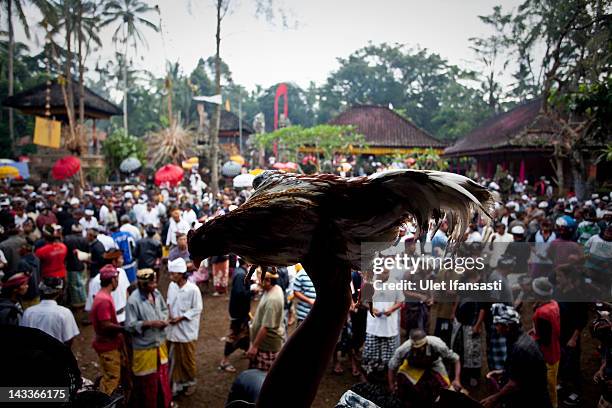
[[147, 251], [97, 251], [72, 242], [525, 365], [240, 296]]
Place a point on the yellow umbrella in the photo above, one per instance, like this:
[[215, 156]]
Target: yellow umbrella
[[187, 165], [238, 159], [256, 172], [8, 172], [193, 160]]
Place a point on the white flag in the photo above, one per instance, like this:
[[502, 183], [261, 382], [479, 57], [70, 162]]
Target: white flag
[[216, 99]]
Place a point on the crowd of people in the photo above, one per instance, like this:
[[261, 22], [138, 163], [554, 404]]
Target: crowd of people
[[98, 259]]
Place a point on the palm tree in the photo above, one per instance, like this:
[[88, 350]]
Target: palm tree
[[129, 15]]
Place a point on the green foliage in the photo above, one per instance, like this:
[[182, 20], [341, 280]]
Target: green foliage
[[117, 147], [326, 139], [430, 91]]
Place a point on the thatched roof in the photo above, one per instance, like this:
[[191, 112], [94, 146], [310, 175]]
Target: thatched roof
[[229, 124], [32, 102], [382, 127], [519, 128]]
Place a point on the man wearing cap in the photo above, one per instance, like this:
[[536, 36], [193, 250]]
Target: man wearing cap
[[89, 221], [523, 380], [52, 254], [120, 293], [108, 341], [146, 319], [547, 330], [416, 369], [48, 316], [518, 249], [268, 328], [77, 281], [11, 290], [185, 307]]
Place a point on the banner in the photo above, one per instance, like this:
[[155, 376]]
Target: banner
[[47, 132]]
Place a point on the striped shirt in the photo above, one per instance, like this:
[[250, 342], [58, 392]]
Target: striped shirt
[[303, 284]]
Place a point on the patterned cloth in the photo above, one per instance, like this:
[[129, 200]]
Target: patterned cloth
[[220, 272], [496, 352], [352, 400], [263, 360], [377, 352], [467, 344], [76, 288]]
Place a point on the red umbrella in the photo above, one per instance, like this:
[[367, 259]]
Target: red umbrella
[[66, 167], [170, 173]]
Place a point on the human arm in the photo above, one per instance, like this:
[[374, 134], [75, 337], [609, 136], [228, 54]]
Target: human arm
[[261, 335], [494, 399], [478, 325], [303, 297], [396, 305]]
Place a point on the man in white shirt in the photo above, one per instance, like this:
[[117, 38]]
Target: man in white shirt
[[126, 226], [185, 307], [106, 240], [107, 214], [89, 222], [120, 294], [48, 316], [498, 243], [188, 215], [177, 225], [139, 209], [382, 329], [151, 215]]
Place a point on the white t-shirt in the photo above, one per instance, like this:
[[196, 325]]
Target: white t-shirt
[[385, 326], [119, 295], [53, 319]]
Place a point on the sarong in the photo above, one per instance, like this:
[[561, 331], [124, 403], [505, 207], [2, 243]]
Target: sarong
[[151, 380], [377, 352], [466, 343], [182, 365], [263, 360], [77, 293], [220, 272]]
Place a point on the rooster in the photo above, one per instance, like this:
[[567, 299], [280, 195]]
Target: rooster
[[275, 226]]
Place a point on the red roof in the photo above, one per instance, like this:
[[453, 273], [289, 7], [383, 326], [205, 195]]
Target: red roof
[[518, 127], [383, 127]]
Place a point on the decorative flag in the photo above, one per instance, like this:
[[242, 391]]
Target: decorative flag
[[47, 132], [216, 99]]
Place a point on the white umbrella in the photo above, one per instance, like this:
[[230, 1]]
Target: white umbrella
[[231, 169], [244, 180], [129, 165]]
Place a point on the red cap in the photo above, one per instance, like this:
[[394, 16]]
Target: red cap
[[108, 272]]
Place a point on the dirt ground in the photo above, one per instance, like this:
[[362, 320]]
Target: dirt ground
[[213, 385]]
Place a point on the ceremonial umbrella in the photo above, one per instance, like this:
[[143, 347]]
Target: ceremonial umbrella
[[129, 165], [8, 172], [244, 180], [170, 173], [238, 159], [256, 172], [66, 167], [231, 169]]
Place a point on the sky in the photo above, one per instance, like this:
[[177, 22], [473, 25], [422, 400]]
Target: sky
[[265, 53]]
